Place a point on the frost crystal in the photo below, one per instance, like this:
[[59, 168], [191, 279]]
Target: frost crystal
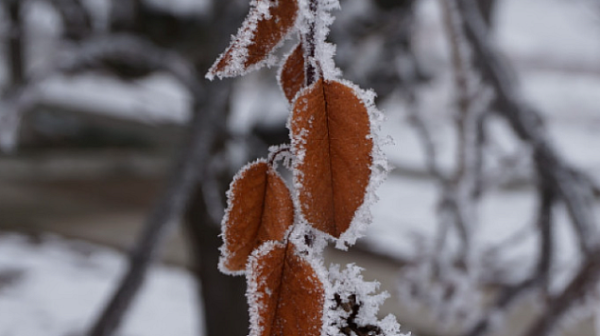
[[354, 306]]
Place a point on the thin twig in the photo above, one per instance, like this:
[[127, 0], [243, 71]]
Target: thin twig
[[310, 45]]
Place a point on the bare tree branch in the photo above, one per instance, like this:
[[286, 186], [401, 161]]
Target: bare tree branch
[[77, 22], [165, 214], [13, 95], [526, 122], [509, 294], [583, 283]]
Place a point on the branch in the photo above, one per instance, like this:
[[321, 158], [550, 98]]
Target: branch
[[12, 98], [76, 19], [130, 51], [310, 45], [541, 274], [564, 181], [165, 214], [526, 122], [583, 283]]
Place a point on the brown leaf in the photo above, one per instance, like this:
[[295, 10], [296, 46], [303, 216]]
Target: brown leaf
[[291, 77], [330, 133], [285, 294], [260, 209], [258, 38]]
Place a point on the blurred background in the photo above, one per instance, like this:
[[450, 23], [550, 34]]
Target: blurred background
[[116, 155]]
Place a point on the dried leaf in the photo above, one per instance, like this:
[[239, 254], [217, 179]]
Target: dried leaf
[[285, 294], [331, 137], [265, 28], [291, 77], [260, 209]]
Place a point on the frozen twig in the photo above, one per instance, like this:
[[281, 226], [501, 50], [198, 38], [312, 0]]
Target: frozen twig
[[511, 293], [526, 122], [558, 179], [580, 286]]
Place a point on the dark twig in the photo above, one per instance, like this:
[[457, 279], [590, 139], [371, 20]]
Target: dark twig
[[77, 22], [190, 167], [164, 215], [583, 283], [13, 97], [16, 43], [509, 294]]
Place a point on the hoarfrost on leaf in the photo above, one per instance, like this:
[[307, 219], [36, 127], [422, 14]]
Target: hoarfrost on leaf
[[355, 304]]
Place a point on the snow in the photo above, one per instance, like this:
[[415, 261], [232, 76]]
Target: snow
[[58, 286], [182, 7], [156, 99]]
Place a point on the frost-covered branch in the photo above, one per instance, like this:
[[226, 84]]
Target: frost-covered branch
[[583, 283], [526, 122], [508, 294], [557, 179]]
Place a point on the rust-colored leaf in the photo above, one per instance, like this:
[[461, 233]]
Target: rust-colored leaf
[[260, 209], [291, 77], [258, 37], [285, 294], [331, 135]]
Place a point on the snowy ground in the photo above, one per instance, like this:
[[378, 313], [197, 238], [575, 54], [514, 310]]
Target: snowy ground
[[53, 287]]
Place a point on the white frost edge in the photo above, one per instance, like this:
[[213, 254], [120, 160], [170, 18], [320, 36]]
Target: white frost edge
[[252, 293], [379, 167], [379, 170], [259, 10], [325, 51], [224, 249], [350, 281]]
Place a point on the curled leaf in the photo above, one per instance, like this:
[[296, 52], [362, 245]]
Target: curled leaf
[[285, 293], [331, 137], [260, 209], [265, 28], [291, 77]]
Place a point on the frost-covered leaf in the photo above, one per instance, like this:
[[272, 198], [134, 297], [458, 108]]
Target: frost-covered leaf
[[267, 25], [260, 209], [291, 77], [331, 137], [285, 293]]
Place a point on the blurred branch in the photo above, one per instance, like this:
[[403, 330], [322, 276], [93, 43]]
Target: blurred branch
[[13, 97], [508, 294], [165, 214], [190, 167], [526, 122], [16, 44], [580, 286], [125, 51], [557, 178], [77, 23]]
